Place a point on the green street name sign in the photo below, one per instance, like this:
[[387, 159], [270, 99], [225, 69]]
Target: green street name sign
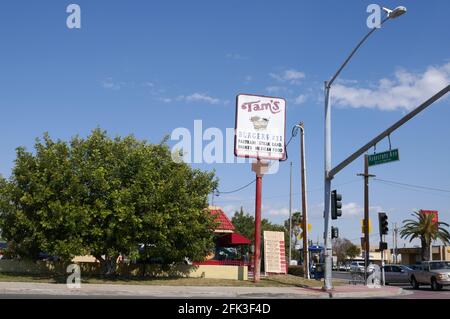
[[385, 157]]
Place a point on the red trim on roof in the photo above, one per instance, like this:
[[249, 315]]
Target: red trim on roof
[[222, 219], [233, 239]]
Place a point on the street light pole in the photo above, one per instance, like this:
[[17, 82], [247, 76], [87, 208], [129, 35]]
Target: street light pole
[[328, 177], [304, 204]]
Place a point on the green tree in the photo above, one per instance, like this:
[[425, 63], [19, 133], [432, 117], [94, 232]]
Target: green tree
[[245, 225], [424, 229], [105, 197], [344, 249], [353, 251]]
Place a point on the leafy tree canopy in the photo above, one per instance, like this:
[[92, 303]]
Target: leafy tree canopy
[[105, 197]]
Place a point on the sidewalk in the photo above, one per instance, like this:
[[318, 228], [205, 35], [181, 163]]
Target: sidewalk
[[361, 291], [39, 290]]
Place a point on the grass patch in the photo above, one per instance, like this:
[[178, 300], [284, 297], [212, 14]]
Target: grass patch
[[272, 281]]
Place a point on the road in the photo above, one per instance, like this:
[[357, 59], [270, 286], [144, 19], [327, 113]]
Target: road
[[424, 292]]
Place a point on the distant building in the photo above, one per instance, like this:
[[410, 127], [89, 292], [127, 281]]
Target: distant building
[[411, 256], [375, 255]]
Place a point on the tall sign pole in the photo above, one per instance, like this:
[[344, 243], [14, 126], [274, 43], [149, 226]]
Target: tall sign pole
[[260, 133], [259, 168]]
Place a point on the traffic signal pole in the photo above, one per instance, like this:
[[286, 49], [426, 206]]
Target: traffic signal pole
[[388, 131], [328, 176], [328, 285]]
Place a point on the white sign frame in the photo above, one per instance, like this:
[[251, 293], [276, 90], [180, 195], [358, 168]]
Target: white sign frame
[[260, 123]]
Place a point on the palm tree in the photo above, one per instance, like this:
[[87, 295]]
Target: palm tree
[[425, 229]]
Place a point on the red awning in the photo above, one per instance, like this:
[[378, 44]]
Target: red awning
[[233, 239]]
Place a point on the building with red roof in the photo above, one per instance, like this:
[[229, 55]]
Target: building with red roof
[[231, 248]]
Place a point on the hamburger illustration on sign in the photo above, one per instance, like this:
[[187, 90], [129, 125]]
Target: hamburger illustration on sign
[[260, 124], [260, 127]]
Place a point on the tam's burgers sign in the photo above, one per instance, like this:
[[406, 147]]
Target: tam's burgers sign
[[260, 127]]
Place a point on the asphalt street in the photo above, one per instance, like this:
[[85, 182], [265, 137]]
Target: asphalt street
[[424, 292]]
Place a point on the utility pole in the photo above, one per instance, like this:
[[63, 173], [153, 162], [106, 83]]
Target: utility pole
[[304, 204], [366, 176], [395, 243], [290, 215]]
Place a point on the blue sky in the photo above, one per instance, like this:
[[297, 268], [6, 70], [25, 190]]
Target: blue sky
[[149, 67]]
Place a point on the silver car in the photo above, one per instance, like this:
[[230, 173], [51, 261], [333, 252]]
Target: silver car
[[434, 273], [396, 274]]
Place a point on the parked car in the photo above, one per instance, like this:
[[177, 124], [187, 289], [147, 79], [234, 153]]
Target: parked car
[[414, 267], [357, 266], [434, 273], [343, 267], [395, 274]]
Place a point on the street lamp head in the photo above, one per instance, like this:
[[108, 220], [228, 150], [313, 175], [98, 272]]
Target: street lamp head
[[392, 14]]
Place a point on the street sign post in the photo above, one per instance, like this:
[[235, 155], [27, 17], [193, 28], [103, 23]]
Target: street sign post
[[384, 157]]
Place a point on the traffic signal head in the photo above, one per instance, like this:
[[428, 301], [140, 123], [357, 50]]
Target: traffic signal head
[[383, 223], [334, 232], [336, 205], [383, 245]]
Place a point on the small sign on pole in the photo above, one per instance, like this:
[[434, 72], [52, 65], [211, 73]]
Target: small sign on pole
[[384, 157], [362, 226]]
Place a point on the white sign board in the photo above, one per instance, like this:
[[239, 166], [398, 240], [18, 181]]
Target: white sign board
[[274, 253], [260, 127]]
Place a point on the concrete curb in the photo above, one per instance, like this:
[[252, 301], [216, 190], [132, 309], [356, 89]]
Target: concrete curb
[[372, 293], [182, 292]]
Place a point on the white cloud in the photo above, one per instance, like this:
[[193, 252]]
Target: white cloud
[[276, 89], [201, 97], [109, 84], [273, 212], [405, 91], [195, 97], [148, 84], [248, 79], [292, 76], [351, 210], [355, 210], [166, 100], [235, 56], [300, 99]]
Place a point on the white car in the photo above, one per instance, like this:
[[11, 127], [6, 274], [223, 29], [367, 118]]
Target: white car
[[357, 266], [343, 267]]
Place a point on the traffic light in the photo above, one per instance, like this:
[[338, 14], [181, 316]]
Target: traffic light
[[383, 245], [334, 232], [336, 205], [383, 223]]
